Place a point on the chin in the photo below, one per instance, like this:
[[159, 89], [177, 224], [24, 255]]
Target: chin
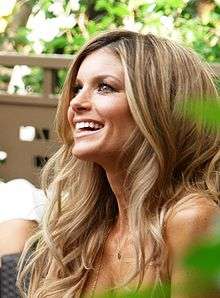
[[83, 155]]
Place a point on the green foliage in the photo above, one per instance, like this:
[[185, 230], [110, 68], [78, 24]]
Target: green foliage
[[60, 78], [168, 6], [195, 25], [206, 112], [21, 39], [34, 80], [191, 22], [160, 291], [4, 78], [207, 263], [204, 260], [57, 45]]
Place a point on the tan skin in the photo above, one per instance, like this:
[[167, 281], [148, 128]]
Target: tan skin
[[13, 235], [104, 99]]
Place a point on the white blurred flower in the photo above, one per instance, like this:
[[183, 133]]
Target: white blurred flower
[[66, 22], [131, 25], [167, 22], [47, 29], [56, 8], [3, 25], [151, 7], [6, 7], [190, 37], [176, 35], [42, 28], [38, 46], [214, 41], [3, 155], [74, 5], [16, 83]]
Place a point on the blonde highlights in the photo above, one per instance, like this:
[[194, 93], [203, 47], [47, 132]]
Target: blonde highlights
[[167, 157]]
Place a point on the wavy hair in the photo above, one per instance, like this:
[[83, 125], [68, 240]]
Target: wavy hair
[[169, 159]]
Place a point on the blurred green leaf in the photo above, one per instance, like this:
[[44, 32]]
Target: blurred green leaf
[[207, 112], [56, 45], [121, 10], [21, 36], [160, 291], [205, 258], [102, 4], [171, 4], [34, 80]]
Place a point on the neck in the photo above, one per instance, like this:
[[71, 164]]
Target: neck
[[116, 180]]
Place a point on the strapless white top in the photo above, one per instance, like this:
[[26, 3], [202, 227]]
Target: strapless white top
[[20, 199]]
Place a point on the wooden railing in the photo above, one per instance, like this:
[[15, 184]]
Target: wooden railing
[[33, 112], [17, 112], [49, 64]]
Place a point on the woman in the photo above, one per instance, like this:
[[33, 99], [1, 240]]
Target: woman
[[134, 182]]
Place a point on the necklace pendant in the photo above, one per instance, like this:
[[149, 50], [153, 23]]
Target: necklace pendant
[[119, 255]]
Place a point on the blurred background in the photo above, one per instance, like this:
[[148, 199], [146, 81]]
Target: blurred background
[[38, 39]]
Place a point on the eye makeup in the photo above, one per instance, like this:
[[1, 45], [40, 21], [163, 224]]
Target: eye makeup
[[102, 86]]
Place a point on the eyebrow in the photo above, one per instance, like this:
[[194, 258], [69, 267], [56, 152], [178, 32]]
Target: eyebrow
[[101, 77]]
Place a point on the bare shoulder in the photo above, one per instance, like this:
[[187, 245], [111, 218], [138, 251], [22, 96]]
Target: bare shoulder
[[190, 222], [13, 235]]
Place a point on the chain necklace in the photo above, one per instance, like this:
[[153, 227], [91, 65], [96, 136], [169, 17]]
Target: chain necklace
[[118, 254], [120, 247], [100, 264]]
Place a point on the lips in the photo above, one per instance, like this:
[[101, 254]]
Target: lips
[[79, 120], [86, 126], [83, 133]]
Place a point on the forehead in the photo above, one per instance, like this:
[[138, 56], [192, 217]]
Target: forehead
[[102, 61]]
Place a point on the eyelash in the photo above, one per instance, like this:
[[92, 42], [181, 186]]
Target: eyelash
[[76, 88]]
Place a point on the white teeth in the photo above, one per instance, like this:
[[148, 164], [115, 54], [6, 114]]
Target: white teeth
[[82, 124], [79, 125]]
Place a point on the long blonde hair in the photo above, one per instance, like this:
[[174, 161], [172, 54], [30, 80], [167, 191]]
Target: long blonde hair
[[168, 158]]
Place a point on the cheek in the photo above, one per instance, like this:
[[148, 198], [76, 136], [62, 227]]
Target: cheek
[[120, 122], [114, 109], [122, 117]]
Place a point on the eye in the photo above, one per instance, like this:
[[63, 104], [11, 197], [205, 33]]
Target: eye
[[105, 88], [76, 89]]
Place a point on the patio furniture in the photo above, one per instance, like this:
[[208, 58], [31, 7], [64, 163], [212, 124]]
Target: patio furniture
[[8, 275]]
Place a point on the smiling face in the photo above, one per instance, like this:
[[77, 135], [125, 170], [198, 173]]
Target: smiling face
[[100, 101]]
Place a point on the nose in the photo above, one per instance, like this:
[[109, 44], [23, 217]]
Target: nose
[[79, 104]]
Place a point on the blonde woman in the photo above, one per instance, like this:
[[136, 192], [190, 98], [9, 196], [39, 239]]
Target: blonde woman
[[134, 183]]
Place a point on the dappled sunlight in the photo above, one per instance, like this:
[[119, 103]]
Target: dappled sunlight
[[6, 7]]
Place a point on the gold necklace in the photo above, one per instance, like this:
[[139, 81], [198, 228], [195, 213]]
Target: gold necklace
[[100, 264], [119, 248]]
